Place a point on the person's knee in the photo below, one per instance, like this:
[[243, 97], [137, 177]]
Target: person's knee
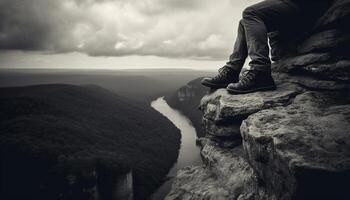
[[249, 12]]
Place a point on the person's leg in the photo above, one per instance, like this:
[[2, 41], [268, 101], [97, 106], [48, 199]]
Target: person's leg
[[252, 40], [258, 20], [230, 72], [240, 51]]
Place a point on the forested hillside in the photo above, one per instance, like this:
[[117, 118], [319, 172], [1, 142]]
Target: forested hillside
[[55, 140]]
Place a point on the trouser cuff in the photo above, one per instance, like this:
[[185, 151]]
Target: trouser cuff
[[234, 67], [261, 68]]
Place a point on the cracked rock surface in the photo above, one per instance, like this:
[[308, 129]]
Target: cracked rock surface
[[302, 149], [226, 175], [221, 107]]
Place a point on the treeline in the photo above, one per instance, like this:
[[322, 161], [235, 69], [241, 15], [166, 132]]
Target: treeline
[[56, 139]]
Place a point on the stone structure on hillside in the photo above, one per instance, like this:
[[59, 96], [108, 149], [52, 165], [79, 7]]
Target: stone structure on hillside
[[291, 143]]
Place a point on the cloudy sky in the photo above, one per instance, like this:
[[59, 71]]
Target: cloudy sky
[[118, 33]]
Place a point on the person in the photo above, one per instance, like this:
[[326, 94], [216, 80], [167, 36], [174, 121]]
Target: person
[[252, 40]]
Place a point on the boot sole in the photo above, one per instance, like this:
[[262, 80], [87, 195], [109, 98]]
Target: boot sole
[[266, 88], [214, 86]]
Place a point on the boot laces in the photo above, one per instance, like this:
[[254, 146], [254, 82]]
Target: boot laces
[[223, 71], [247, 77]]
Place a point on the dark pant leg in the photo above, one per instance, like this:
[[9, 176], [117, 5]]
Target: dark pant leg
[[258, 20], [240, 51]]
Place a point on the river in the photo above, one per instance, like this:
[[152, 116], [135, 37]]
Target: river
[[189, 153]]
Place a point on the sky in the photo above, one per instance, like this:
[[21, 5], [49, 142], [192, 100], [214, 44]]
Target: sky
[[118, 34]]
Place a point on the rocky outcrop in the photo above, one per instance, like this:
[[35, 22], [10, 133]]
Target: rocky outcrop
[[291, 143], [212, 181], [301, 150], [221, 107]]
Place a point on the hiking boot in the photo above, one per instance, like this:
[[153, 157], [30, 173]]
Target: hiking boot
[[252, 81], [225, 76]]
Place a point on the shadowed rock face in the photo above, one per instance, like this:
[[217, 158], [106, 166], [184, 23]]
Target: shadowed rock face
[[227, 175], [305, 142], [332, 38], [291, 143], [324, 52]]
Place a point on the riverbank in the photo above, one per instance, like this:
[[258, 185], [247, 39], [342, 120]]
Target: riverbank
[[189, 153]]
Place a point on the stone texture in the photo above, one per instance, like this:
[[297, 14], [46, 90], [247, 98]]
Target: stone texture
[[324, 41], [230, 131], [296, 62], [298, 149], [302, 151], [317, 65], [221, 107], [336, 16], [225, 142], [197, 182], [226, 175], [339, 71], [310, 82]]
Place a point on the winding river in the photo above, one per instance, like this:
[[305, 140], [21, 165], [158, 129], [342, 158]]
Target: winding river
[[189, 153]]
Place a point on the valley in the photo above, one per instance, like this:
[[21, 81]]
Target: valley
[[189, 153], [86, 132]]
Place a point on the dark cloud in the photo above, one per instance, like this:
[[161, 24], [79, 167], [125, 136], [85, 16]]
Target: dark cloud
[[31, 25], [169, 28]]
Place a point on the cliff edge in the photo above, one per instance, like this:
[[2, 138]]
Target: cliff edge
[[291, 143]]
